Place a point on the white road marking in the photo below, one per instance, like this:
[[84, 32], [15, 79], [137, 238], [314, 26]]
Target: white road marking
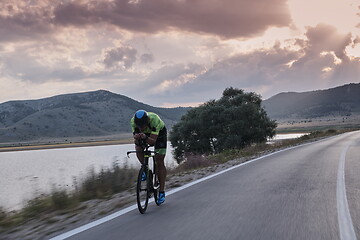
[[346, 227], [131, 208]]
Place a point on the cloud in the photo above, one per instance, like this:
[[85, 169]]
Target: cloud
[[358, 14], [356, 41], [169, 76], [38, 63], [69, 74], [178, 50], [147, 58], [326, 38], [252, 70], [37, 73], [22, 28], [21, 22], [321, 62], [225, 18], [121, 57], [166, 83]]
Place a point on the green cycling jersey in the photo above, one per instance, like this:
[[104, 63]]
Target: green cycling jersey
[[154, 126]]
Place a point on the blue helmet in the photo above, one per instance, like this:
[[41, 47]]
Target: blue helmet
[[141, 118]]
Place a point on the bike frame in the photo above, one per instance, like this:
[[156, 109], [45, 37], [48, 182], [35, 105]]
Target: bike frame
[[153, 183], [147, 154]]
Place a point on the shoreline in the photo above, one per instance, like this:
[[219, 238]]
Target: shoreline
[[284, 127], [29, 146]]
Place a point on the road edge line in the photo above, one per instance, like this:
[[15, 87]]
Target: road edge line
[[131, 208], [346, 227]]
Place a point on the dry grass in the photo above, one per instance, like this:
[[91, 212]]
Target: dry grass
[[194, 161], [95, 185]]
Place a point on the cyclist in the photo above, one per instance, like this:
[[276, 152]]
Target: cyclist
[[148, 126]]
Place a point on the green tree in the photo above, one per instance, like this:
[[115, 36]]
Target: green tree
[[234, 121]]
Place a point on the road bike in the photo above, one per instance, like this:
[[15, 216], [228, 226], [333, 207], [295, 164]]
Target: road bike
[[149, 186]]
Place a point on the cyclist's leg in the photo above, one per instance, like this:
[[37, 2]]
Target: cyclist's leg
[[161, 170], [160, 149], [139, 153]]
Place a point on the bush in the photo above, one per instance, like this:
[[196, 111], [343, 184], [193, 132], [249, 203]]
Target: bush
[[107, 182], [61, 200], [37, 206], [234, 121], [3, 214], [193, 161], [331, 131]]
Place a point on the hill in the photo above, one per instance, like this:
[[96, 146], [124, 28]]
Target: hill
[[105, 115], [340, 101], [90, 114]]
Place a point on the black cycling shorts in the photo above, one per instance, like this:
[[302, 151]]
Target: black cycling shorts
[[161, 142]]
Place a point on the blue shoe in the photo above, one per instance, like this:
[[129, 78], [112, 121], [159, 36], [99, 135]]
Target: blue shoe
[[143, 176], [161, 198]]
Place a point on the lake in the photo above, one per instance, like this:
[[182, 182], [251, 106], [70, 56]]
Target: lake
[[286, 136], [27, 173]]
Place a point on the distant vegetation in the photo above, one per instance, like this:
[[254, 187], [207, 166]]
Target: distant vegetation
[[234, 121]]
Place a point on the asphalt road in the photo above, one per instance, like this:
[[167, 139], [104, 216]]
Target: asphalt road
[[293, 194]]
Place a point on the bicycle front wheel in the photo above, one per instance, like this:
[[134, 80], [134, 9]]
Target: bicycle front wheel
[[143, 190]]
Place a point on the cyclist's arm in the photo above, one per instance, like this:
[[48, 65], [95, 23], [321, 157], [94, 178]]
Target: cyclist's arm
[[157, 124], [136, 132], [142, 136], [152, 139], [149, 140]]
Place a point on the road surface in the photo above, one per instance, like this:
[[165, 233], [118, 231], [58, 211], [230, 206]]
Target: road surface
[[307, 192]]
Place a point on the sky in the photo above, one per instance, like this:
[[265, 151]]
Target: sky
[[171, 53]]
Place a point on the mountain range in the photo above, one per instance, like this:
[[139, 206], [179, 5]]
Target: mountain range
[[90, 114], [339, 101], [102, 113]]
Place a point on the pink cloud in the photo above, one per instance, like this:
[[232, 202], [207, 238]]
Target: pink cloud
[[225, 18], [313, 66], [24, 25], [326, 38]]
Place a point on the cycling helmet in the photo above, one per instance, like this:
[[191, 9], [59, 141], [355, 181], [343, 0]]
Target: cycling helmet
[[141, 118]]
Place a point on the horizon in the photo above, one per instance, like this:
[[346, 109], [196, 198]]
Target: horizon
[[70, 93], [170, 53]]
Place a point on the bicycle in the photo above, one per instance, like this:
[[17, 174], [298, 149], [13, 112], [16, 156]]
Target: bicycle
[[151, 185]]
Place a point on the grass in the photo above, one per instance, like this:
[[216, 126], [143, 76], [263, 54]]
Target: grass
[[116, 179], [106, 183], [95, 186], [194, 161], [324, 128]]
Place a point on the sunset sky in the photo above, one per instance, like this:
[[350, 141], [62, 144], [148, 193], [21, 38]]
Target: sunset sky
[[176, 52]]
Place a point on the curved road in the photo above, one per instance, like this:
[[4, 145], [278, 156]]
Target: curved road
[[307, 192]]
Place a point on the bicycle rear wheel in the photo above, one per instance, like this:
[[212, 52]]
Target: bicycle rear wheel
[[156, 188], [143, 190]]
